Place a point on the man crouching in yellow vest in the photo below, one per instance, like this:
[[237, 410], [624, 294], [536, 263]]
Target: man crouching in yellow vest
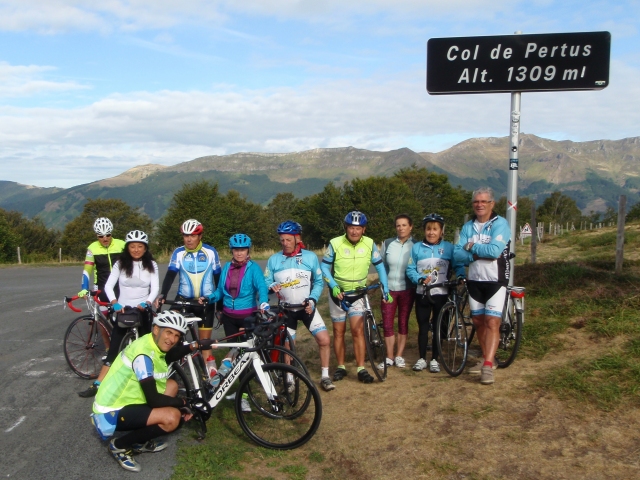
[[345, 267], [137, 394]]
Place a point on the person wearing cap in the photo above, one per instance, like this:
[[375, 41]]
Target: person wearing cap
[[138, 397], [136, 273], [345, 267], [100, 257], [197, 266], [295, 276], [431, 264]]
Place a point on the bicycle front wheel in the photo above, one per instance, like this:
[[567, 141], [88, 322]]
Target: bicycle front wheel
[[451, 339], [187, 390], [128, 339], [85, 343], [510, 337], [376, 346], [285, 421]]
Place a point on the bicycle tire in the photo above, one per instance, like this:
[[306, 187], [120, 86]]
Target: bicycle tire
[[288, 420], [84, 346], [186, 389], [465, 312], [375, 345], [510, 339], [127, 340], [277, 354], [451, 340]]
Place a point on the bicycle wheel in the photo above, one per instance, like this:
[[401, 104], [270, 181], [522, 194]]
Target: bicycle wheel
[[128, 339], [186, 389], [510, 336], [277, 354], [286, 421], [376, 346], [465, 312], [451, 340], [84, 346]]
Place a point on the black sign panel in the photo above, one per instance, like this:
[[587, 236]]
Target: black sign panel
[[518, 63]]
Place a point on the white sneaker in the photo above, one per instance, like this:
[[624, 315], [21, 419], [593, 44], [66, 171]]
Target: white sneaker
[[421, 364], [389, 364], [399, 362], [434, 367], [476, 369], [244, 405]]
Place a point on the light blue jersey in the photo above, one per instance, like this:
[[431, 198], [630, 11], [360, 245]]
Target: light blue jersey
[[299, 276]]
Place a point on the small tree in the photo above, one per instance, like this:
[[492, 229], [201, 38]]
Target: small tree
[[78, 233], [559, 208], [8, 241], [35, 239], [634, 213]]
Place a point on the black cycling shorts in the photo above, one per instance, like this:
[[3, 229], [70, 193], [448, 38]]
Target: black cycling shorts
[[482, 291], [205, 312], [133, 417], [293, 316]]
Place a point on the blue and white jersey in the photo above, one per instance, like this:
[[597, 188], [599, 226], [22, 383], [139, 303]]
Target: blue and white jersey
[[433, 262], [299, 276], [491, 243], [196, 270]]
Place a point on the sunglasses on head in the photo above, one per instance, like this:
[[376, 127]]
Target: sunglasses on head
[[102, 236]]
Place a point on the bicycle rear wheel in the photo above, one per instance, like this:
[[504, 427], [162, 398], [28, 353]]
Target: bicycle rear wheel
[[85, 345], [128, 339], [285, 421], [277, 354], [451, 340], [376, 346], [510, 336]]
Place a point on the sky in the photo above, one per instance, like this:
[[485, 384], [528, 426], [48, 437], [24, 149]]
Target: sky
[[90, 89]]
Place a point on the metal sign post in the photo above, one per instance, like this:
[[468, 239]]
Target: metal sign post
[[514, 64]]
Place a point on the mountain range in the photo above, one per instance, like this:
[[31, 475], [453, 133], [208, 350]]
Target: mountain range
[[593, 173]]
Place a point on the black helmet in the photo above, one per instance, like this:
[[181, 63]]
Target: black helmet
[[433, 217]]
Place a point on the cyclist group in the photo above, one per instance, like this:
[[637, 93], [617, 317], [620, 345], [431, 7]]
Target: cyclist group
[[133, 391]]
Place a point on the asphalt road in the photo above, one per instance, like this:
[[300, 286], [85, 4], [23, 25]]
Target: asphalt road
[[45, 430]]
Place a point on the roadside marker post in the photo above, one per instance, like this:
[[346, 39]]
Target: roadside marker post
[[515, 64]]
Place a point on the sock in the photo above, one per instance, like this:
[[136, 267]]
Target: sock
[[360, 368], [325, 372], [96, 383], [342, 367], [487, 364], [142, 435]]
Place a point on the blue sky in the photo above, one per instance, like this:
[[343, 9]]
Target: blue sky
[[89, 89]]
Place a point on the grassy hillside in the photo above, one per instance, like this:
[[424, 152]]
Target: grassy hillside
[[567, 407]]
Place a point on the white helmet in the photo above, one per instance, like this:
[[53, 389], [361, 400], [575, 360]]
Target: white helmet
[[102, 226], [137, 236], [169, 319], [191, 227]]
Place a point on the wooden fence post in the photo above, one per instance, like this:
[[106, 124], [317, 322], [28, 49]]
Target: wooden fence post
[[19, 259], [456, 236], [622, 207], [60, 255]]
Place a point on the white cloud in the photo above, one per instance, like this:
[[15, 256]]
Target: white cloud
[[24, 81], [170, 126]]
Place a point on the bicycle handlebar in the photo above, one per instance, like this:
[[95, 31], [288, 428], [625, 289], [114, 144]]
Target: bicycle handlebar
[[69, 300]]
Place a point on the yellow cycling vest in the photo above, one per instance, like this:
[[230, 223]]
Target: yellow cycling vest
[[121, 386], [351, 262]]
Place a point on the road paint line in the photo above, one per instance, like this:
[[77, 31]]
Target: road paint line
[[35, 373], [53, 303], [20, 420]]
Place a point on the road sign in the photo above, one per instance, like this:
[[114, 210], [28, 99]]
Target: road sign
[[518, 63], [526, 231]]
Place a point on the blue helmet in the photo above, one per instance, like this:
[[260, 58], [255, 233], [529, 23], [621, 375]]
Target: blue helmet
[[239, 240], [433, 217], [356, 218], [290, 227]]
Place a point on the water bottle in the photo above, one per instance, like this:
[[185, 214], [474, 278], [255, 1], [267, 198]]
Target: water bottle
[[225, 367], [212, 368]]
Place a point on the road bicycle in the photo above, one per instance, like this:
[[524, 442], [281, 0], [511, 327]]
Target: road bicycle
[[457, 330], [87, 338], [373, 330], [285, 405]]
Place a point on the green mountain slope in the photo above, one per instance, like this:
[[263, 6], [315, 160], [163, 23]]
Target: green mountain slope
[[593, 173]]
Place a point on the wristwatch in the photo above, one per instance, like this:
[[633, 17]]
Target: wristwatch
[[467, 247]]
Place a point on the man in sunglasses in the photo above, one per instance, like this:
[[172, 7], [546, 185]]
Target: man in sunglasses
[[101, 255]]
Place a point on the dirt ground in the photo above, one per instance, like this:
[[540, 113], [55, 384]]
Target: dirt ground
[[424, 425]]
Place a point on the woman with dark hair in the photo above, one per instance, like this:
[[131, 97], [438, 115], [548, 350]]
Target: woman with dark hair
[[136, 273]]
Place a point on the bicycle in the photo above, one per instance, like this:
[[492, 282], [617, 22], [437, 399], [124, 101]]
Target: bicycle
[[284, 417], [511, 326], [87, 338], [450, 335], [373, 331]]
